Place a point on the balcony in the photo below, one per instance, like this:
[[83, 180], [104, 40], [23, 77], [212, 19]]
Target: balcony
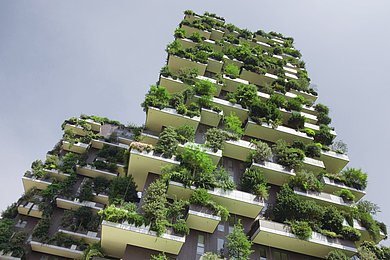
[[365, 234], [274, 173], [176, 64], [75, 204], [115, 238], [8, 256], [202, 219], [258, 79], [278, 235], [306, 95], [331, 186], [92, 172], [30, 182], [210, 117], [213, 44], [334, 162], [173, 85], [141, 163], [324, 199], [156, 119], [88, 236], [237, 202], [231, 85], [313, 165], [239, 149], [30, 209], [187, 43], [72, 252], [149, 137], [190, 30], [214, 66], [79, 148], [78, 130], [55, 174], [267, 132], [214, 156]]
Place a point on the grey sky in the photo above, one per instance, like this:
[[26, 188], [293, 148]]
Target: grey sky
[[62, 58]]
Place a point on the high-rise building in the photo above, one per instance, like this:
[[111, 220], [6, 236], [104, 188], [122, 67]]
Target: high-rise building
[[236, 160]]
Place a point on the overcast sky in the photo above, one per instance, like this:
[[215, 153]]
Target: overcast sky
[[62, 58]]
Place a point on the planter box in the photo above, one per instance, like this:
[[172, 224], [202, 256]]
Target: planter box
[[216, 34], [92, 172], [30, 209], [274, 173], [191, 30], [99, 144], [214, 66], [89, 237], [258, 79], [75, 204], [30, 183], [239, 150], [79, 148], [176, 64], [100, 198], [141, 163], [333, 161], [202, 219], [237, 202], [229, 108], [187, 43], [210, 117], [156, 119], [267, 132], [115, 238], [234, 62], [172, 85], [216, 47], [231, 85], [324, 198], [330, 186], [78, 130], [278, 235], [149, 138], [55, 174], [72, 252], [304, 94]]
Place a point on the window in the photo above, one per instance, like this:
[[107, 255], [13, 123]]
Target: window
[[263, 253], [220, 243], [221, 227], [280, 256], [200, 245]]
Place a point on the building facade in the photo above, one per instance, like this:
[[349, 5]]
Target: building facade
[[233, 143]]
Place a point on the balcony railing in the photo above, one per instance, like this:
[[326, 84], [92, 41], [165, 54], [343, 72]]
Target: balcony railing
[[87, 236], [92, 172], [71, 252], [30, 209], [239, 149], [75, 204], [331, 186], [324, 198], [176, 64], [76, 148], [115, 238], [214, 156], [333, 161], [278, 235], [237, 202]]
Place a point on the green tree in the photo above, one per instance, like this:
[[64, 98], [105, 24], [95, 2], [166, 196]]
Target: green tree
[[238, 245], [167, 143], [123, 188], [233, 125]]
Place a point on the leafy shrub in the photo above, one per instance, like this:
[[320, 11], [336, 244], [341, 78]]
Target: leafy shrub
[[310, 132], [321, 108], [294, 104], [286, 156], [301, 229], [180, 227], [313, 150], [262, 153], [355, 178], [323, 119], [340, 147], [332, 219], [123, 188], [102, 165], [100, 184], [195, 37], [86, 192], [347, 195], [200, 197], [223, 179], [41, 230], [214, 139], [217, 55], [336, 255], [157, 97], [278, 100], [306, 181], [324, 136], [232, 71], [253, 181], [245, 95], [297, 121], [350, 233], [233, 125], [180, 33], [222, 212], [113, 154], [167, 143], [260, 111], [185, 133], [205, 87]]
